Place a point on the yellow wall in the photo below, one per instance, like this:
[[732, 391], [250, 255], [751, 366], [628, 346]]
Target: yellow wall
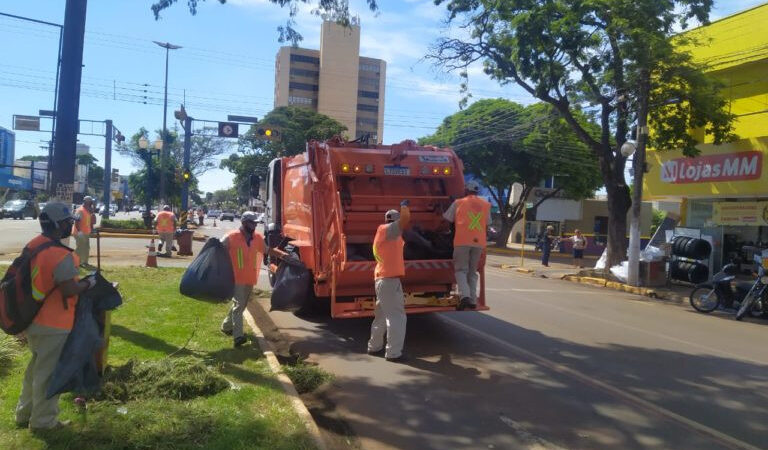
[[735, 51]]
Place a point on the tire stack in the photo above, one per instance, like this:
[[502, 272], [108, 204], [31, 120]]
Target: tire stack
[[691, 250]]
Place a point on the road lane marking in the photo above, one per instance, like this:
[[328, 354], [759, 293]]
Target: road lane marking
[[697, 427]]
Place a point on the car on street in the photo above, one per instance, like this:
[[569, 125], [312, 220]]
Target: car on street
[[213, 213], [227, 215], [19, 209]]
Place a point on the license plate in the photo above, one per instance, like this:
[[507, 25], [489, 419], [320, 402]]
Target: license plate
[[397, 170]]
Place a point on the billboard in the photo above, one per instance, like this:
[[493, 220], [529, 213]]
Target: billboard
[[24, 170], [7, 150]]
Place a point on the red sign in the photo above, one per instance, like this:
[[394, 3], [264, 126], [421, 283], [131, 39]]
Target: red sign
[[741, 166]]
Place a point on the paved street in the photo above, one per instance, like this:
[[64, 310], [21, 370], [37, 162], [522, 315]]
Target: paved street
[[552, 365]]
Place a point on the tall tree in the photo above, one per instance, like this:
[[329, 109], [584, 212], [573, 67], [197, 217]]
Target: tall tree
[[501, 143], [296, 126], [336, 10], [599, 56]]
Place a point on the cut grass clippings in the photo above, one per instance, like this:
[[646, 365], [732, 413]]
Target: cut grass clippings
[[176, 382], [306, 377]]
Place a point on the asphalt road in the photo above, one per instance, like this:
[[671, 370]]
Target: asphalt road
[[552, 365]]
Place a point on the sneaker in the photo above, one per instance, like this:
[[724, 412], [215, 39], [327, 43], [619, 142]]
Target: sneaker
[[378, 352], [240, 341], [463, 304], [472, 305], [397, 359], [59, 424]]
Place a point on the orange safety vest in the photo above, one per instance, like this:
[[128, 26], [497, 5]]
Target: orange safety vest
[[165, 222], [246, 259], [389, 255], [56, 312], [85, 221], [471, 221]]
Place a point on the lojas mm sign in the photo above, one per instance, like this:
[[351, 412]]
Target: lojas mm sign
[[741, 166]]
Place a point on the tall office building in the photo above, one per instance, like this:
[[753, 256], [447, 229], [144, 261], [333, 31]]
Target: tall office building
[[335, 81]]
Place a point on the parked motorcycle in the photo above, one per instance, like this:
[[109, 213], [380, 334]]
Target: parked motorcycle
[[722, 291], [756, 300]]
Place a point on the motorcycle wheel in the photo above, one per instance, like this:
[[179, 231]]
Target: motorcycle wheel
[[746, 306], [704, 299]]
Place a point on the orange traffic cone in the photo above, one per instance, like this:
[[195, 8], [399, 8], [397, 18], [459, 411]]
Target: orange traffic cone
[[152, 254], [214, 222]]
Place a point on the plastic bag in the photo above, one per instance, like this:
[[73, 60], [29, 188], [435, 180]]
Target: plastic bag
[[210, 276], [621, 271], [600, 264], [292, 284], [651, 253]]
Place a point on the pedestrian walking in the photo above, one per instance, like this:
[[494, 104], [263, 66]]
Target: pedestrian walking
[[56, 284], [389, 314], [546, 244], [579, 244], [200, 217], [84, 220], [471, 216], [165, 223], [246, 249]]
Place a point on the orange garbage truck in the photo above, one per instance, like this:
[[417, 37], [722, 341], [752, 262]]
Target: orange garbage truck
[[322, 208]]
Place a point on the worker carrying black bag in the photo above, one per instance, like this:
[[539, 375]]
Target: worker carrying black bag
[[210, 276]]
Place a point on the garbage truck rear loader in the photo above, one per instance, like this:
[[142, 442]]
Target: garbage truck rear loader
[[323, 208]]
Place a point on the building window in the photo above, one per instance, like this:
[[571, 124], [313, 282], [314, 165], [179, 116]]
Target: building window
[[368, 84], [302, 86], [369, 67], [367, 123], [296, 100], [368, 94], [371, 108], [304, 72], [304, 58]]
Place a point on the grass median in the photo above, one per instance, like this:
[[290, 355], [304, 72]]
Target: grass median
[[178, 383]]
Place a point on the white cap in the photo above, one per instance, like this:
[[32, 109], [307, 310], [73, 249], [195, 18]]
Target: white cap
[[249, 216], [472, 186], [392, 215]]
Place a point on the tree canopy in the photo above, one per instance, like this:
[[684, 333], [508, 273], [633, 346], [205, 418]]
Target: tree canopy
[[296, 126], [608, 58], [502, 142], [336, 10]]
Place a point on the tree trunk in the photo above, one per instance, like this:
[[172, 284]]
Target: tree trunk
[[506, 229], [618, 206]]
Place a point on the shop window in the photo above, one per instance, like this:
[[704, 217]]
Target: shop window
[[601, 230]]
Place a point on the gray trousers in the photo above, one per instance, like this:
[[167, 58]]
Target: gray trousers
[[465, 262], [33, 406], [83, 247], [167, 240], [234, 320], [389, 317]]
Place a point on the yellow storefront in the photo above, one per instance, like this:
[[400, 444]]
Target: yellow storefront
[[724, 190]]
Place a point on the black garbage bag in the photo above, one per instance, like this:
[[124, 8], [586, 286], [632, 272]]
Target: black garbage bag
[[292, 284], [210, 277], [77, 370]]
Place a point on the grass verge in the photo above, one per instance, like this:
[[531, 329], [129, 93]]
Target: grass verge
[[177, 382], [130, 224]]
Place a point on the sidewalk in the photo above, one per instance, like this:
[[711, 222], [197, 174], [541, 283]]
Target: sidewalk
[[561, 268]]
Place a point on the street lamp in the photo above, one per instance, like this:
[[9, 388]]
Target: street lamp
[[168, 47]]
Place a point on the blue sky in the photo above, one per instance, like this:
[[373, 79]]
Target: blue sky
[[225, 67]]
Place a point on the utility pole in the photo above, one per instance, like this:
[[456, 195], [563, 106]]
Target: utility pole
[[164, 152], [65, 138], [638, 171], [107, 167], [185, 183]]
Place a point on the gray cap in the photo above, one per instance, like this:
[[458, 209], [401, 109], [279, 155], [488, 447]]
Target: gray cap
[[57, 211], [249, 216], [167, 208], [472, 186], [392, 215], [87, 198]]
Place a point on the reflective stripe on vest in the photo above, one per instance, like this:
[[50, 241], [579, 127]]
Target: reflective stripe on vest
[[242, 255], [165, 222], [471, 221], [388, 254], [56, 311]]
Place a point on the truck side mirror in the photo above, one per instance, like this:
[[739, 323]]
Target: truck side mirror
[[255, 183]]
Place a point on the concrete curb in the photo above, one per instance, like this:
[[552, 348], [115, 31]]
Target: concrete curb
[[644, 291], [286, 383]]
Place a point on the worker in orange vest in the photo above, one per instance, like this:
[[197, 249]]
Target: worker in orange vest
[[389, 315], [84, 221], [165, 223], [246, 250], [471, 216], [56, 284]]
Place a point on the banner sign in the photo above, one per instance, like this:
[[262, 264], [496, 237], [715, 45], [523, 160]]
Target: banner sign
[[707, 168], [741, 213]]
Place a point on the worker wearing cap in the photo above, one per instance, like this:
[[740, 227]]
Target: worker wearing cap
[[471, 216], [84, 220], [165, 223], [54, 283], [389, 315], [246, 249]]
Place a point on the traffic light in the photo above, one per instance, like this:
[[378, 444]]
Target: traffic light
[[268, 133], [186, 176]]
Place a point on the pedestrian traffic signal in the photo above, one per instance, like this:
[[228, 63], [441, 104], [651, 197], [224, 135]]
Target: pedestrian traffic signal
[[268, 133]]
